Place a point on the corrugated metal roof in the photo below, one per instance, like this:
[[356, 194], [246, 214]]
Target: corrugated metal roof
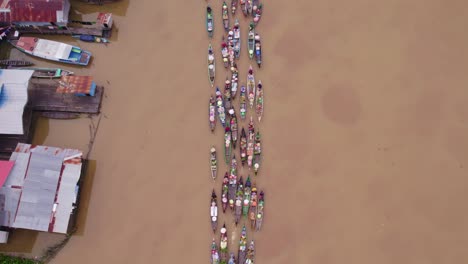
[[75, 84], [5, 168], [44, 178], [34, 10], [13, 99]]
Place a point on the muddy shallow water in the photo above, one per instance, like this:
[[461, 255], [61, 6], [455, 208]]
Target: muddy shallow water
[[364, 134]]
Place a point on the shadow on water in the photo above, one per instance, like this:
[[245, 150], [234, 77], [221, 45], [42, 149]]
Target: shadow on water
[[41, 130], [85, 196], [20, 241], [118, 8]]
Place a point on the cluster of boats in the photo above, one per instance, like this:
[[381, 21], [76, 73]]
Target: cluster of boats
[[243, 199]]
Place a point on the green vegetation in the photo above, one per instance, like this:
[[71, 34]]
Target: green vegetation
[[16, 260]]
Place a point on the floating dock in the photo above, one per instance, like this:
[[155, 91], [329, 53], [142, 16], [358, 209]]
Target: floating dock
[[58, 31]]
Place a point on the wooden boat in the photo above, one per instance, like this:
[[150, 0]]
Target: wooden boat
[[213, 163], [223, 244], [225, 53], [234, 81], [234, 4], [209, 21], [251, 87], [243, 147], [224, 192], [91, 38], [48, 73], [253, 206], [257, 153], [214, 211], [232, 259], [234, 129], [247, 191], [260, 211], [211, 65], [52, 50], [227, 144], [250, 253], [60, 115], [230, 42], [243, 4], [236, 39], [225, 13], [239, 198], [221, 109], [258, 50], [257, 13], [251, 40], [259, 106], [16, 63], [250, 143], [255, 4], [232, 182], [248, 7], [212, 113], [242, 254], [243, 102], [214, 253], [227, 94]]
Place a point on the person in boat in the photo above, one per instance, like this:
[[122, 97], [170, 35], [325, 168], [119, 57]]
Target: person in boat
[[250, 71], [208, 9]]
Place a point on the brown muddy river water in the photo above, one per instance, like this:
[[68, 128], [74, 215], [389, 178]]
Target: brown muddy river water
[[364, 134]]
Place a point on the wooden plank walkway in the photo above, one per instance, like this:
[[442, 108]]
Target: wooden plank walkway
[[55, 31], [43, 97]]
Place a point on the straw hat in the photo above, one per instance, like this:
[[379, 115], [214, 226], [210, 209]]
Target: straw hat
[[223, 230], [213, 150], [214, 218]]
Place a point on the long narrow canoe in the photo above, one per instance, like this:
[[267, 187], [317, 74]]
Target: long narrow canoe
[[15, 63], [211, 65], [251, 40], [47, 73], [259, 105], [209, 21], [251, 87]]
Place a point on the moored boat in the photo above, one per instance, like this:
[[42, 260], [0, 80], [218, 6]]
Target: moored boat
[[214, 211], [243, 102], [214, 253], [224, 192], [234, 81], [213, 163], [234, 128], [253, 206], [237, 39], [16, 63], [209, 21], [211, 65], [223, 244], [227, 94], [225, 53], [250, 253], [225, 13], [220, 107], [60, 115], [250, 143], [212, 113], [248, 7], [52, 50], [258, 50], [260, 211], [251, 87], [243, 147], [239, 198], [91, 38], [242, 254], [243, 4], [259, 106], [227, 144], [232, 259], [48, 73], [234, 4], [232, 55], [251, 40], [247, 191], [257, 153], [232, 182], [257, 13]]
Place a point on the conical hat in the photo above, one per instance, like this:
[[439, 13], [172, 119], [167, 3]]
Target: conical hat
[[223, 230], [214, 218], [212, 118], [213, 150], [211, 67]]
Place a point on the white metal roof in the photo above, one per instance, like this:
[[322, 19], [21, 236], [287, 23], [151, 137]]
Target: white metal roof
[[13, 98], [52, 49]]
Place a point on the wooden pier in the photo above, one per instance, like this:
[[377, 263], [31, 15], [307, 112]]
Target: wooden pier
[[43, 98], [63, 31]]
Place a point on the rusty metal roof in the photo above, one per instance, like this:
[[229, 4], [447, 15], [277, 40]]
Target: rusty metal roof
[[33, 10]]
